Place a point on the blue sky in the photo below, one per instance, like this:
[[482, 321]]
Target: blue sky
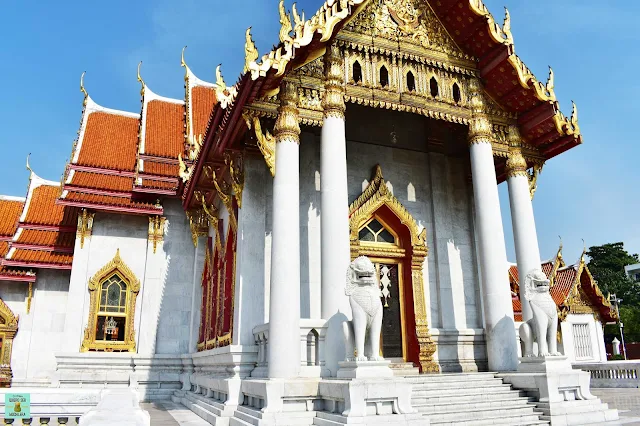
[[588, 192]]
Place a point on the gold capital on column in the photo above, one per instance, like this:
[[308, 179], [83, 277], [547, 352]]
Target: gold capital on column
[[480, 128], [287, 124], [516, 164], [333, 100]]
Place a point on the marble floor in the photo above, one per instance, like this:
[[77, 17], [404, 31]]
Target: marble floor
[[626, 400], [167, 413]]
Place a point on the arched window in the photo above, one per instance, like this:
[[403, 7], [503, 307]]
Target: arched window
[[411, 82], [433, 86], [457, 96], [113, 291], [384, 76], [357, 72], [375, 232]]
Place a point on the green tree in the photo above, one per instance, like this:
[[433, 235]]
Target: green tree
[[607, 264]]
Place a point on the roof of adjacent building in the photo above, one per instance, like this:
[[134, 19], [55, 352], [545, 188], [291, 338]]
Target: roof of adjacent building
[[573, 289], [10, 210]]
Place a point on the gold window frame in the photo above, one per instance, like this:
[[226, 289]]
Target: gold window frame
[[8, 332], [115, 267]]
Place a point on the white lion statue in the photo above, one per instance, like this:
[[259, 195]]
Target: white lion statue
[[364, 296], [542, 328]]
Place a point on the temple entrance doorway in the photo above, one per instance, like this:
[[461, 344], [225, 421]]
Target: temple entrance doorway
[[380, 241]]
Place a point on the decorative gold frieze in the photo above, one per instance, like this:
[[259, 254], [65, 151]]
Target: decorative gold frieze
[[333, 100], [85, 226], [156, 230], [287, 124], [199, 224], [114, 273], [235, 161]]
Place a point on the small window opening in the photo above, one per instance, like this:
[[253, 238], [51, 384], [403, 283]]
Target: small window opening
[[433, 86], [411, 82], [456, 93], [375, 232], [384, 77], [357, 72]]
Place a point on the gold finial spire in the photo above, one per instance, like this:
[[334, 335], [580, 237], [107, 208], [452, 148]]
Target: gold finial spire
[[82, 89], [140, 79], [559, 255], [250, 51], [506, 26], [550, 81], [28, 166]]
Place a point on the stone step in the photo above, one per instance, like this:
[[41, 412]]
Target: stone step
[[451, 377], [203, 408], [456, 407], [254, 416], [462, 385], [434, 396], [332, 419], [578, 406], [587, 418], [501, 420], [466, 414]]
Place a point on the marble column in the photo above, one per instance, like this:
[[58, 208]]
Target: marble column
[[522, 220], [498, 312], [334, 216], [284, 303]]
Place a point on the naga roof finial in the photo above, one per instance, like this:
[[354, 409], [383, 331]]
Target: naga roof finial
[[550, 81], [28, 166], [184, 64], [250, 51], [82, 89], [140, 79], [506, 26]]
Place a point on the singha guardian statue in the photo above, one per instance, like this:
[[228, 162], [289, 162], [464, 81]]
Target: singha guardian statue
[[542, 328]]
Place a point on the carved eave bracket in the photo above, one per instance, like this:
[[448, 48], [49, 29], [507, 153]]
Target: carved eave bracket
[[235, 163], [85, 226], [156, 230], [199, 224], [376, 195]]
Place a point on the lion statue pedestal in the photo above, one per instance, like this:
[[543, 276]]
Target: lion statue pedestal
[[362, 334], [547, 375]]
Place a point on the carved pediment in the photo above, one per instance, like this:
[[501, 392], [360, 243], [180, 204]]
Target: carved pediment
[[411, 21]]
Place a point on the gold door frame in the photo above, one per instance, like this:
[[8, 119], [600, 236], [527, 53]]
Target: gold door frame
[[361, 212], [8, 332]]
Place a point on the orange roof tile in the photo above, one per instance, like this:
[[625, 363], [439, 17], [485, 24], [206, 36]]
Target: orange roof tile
[[45, 257], [105, 200], [161, 169], [565, 278], [158, 184], [11, 273], [101, 181], [47, 238], [10, 211], [110, 141], [4, 248], [43, 210], [164, 133], [202, 101]]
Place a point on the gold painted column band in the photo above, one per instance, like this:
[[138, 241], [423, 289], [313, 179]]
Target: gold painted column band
[[480, 128], [516, 164], [333, 100], [288, 121]]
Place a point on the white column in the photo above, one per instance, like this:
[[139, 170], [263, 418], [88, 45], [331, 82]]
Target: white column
[[284, 304], [499, 324], [334, 216], [522, 220]]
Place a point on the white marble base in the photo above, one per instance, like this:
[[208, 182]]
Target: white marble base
[[117, 407], [364, 369], [563, 393]]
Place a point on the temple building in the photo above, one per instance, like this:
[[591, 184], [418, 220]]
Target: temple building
[[582, 308], [197, 249]]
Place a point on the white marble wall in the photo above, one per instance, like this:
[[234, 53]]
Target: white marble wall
[[42, 331], [435, 189], [567, 346]]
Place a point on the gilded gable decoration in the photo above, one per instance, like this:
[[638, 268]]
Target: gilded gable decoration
[[198, 224], [156, 230], [8, 330], [113, 292]]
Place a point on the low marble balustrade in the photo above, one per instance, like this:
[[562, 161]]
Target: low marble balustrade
[[153, 377], [312, 344], [612, 374], [44, 421], [50, 406]]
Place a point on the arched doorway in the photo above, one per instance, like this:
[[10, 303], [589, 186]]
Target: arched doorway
[[382, 229]]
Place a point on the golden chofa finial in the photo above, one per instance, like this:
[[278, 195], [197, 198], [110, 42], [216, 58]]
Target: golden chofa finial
[[28, 166], [184, 64], [506, 26], [140, 79], [250, 50], [82, 89], [219, 79]]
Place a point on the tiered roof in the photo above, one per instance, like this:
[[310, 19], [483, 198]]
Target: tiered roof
[[573, 289], [10, 211], [44, 233]]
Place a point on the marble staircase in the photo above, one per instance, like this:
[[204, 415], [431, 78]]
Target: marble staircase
[[472, 399]]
